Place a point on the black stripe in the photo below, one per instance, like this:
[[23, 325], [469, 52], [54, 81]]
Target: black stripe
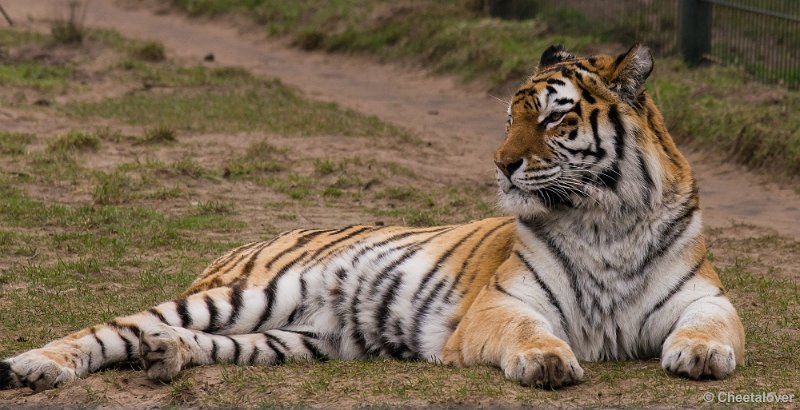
[[102, 348], [551, 90], [469, 257], [648, 180], [601, 152], [564, 101], [128, 347], [313, 350], [555, 81], [573, 135], [578, 110], [253, 355], [584, 152], [247, 269], [584, 68], [217, 265], [279, 356], [394, 238], [153, 311], [236, 303], [312, 335], [619, 131], [566, 264], [411, 249], [619, 59], [547, 291], [271, 289], [299, 242], [6, 376], [503, 290], [237, 349], [350, 235], [214, 350], [422, 311], [668, 233], [438, 265], [183, 311], [588, 97], [672, 292], [279, 341], [124, 326], [213, 315], [610, 178], [358, 332]]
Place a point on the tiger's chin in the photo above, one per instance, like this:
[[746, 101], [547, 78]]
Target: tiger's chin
[[523, 204]]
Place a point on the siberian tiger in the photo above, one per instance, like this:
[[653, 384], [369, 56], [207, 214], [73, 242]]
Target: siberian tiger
[[603, 259]]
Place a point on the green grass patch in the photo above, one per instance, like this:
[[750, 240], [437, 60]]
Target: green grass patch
[[722, 110], [68, 27], [75, 141], [40, 76], [149, 51], [260, 106], [14, 143], [86, 264], [159, 135], [14, 38]]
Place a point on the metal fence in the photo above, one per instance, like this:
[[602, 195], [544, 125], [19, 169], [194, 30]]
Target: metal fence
[[762, 36]]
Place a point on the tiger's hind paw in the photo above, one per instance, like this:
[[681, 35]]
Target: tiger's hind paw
[[163, 353], [36, 370]]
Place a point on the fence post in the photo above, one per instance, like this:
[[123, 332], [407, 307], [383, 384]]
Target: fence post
[[694, 29]]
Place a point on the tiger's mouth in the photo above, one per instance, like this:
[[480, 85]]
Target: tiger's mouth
[[544, 185]]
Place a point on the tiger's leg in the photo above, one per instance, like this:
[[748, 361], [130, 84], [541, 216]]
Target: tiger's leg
[[166, 350], [708, 340], [504, 331], [220, 310]]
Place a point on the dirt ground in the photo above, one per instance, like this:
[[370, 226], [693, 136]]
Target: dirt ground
[[460, 126]]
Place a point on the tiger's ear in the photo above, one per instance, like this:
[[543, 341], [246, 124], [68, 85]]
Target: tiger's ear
[[554, 55], [631, 72]]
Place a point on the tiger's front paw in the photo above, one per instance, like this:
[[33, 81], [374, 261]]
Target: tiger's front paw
[[550, 366], [37, 369], [698, 358], [163, 353]]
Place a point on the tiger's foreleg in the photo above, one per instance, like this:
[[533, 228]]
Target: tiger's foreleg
[[708, 340], [501, 330], [218, 311]]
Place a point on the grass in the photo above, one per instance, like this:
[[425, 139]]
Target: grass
[[722, 110], [149, 51], [40, 76], [250, 105], [14, 143], [74, 141], [69, 27], [159, 135]]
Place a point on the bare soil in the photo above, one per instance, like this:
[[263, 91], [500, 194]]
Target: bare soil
[[460, 126]]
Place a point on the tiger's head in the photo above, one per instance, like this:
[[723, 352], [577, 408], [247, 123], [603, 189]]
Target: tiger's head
[[583, 132]]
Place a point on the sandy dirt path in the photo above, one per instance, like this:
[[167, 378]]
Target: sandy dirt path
[[465, 121]]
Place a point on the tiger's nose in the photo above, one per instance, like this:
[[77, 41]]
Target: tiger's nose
[[508, 166]]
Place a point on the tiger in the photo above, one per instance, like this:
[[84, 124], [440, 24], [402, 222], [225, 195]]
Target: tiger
[[601, 258]]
